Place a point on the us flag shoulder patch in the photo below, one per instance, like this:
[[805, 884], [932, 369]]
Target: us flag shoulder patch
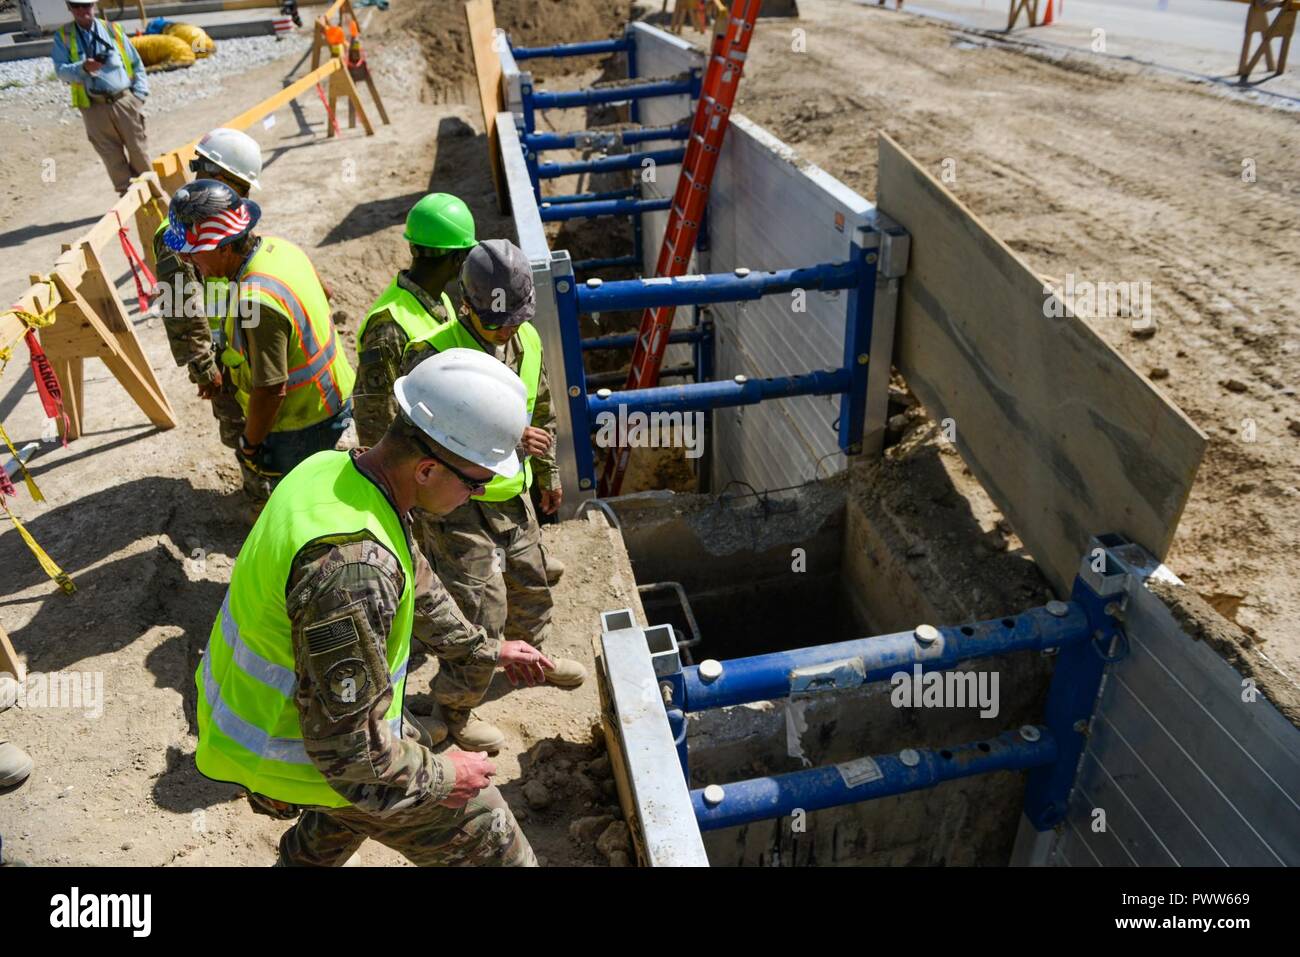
[[328, 636]]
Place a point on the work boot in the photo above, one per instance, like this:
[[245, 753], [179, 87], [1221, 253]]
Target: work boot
[[567, 673], [554, 570], [471, 732], [431, 731], [15, 765], [8, 691]]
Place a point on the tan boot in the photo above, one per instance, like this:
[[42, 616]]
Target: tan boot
[[471, 732], [15, 765], [554, 570], [567, 673], [431, 730]]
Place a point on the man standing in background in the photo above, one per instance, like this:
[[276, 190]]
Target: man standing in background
[[109, 87]]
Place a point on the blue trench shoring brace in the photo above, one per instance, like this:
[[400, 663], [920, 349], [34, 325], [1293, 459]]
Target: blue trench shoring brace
[[535, 143], [849, 381], [1080, 632]]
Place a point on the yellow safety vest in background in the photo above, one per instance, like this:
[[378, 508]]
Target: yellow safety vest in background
[[80, 98], [280, 275], [407, 311]]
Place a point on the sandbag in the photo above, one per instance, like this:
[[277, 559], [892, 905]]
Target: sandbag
[[162, 52], [196, 37]]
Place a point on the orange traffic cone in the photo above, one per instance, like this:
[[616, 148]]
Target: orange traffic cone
[[1047, 17]]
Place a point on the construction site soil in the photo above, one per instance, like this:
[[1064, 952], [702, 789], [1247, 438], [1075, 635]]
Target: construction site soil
[[1109, 174]]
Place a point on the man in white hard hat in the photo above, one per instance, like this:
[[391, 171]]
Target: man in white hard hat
[[489, 552], [192, 309], [109, 87], [301, 689]]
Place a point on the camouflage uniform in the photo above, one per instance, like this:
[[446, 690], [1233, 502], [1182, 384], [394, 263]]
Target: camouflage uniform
[[394, 784], [190, 338], [379, 363], [490, 554]]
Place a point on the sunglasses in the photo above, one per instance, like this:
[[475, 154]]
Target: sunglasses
[[476, 486], [487, 323]]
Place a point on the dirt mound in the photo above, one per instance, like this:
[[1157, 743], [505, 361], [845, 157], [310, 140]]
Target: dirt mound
[[440, 25]]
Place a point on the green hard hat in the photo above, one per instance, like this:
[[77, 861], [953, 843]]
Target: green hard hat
[[440, 221]]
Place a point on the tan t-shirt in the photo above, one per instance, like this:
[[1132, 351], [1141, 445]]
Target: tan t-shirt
[[268, 347]]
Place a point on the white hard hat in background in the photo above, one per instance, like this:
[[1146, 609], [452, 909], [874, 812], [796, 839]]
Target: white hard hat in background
[[469, 403], [235, 152]]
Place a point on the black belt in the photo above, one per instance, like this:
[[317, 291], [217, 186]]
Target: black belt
[[107, 97]]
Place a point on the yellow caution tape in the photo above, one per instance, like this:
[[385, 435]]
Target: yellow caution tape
[[51, 567], [32, 487]]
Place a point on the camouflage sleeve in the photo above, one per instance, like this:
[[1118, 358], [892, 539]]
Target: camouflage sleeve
[[180, 303], [342, 595], [379, 357], [416, 352], [544, 466], [442, 626]]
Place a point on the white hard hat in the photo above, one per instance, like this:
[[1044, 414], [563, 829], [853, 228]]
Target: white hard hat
[[235, 152], [469, 403]]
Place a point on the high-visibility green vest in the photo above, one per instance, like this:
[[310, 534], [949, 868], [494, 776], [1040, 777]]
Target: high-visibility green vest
[[80, 98], [280, 275], [453, 335], [407, 311], [249, 730]]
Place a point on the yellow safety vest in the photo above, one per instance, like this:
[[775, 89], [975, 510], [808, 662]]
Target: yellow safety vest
[[280, 276], [249, 729], [80, 98], [407, 311]]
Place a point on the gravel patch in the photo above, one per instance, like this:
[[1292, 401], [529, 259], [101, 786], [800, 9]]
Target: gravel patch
[[31, 86]]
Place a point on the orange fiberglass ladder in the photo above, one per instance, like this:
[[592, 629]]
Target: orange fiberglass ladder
[[712, 116]]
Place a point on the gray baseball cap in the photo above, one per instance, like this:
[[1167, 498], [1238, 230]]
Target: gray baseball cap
[[497, 281]]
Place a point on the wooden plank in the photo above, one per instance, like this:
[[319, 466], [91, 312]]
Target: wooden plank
[[126, 206], [482, 24], [1067, 438], [40, 298], [9, 660]]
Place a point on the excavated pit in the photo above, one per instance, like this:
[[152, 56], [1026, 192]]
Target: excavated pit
[[823, 563]]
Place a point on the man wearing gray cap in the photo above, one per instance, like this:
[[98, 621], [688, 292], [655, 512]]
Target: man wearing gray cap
[[489, 552]]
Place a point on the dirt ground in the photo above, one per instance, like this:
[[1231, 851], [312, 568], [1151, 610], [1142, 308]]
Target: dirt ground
[[148, 522], [1110, 173], [1105, 173]]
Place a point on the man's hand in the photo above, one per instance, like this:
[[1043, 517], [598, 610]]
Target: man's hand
[[91, 65], [210, 390], [523, 663], [473, 773], [535, 441], [551, 499]]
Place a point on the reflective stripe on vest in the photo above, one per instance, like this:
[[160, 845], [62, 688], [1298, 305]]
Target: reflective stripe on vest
[[80, 98], [249, 727], [453, 335], [251, 737], [314, 356]]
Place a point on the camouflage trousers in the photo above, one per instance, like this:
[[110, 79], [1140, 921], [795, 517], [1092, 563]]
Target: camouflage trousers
[[483, 833], [490, 557]]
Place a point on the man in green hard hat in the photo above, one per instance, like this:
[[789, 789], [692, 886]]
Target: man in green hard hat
[[440, 229]]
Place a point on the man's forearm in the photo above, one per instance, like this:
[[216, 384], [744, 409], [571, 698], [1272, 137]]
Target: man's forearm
[[263, 404]]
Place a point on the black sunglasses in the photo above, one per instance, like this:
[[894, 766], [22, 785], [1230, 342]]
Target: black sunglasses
[[487, 324], [475, 486]]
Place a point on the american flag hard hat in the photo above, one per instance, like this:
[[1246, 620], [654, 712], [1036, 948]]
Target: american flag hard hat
[[207, 214]]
